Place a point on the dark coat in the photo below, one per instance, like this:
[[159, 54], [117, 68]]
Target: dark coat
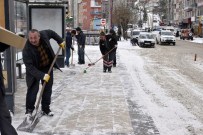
[[112, 41], [68, 40], [103, 45], [81, 38], [3, 47], [31, 56]]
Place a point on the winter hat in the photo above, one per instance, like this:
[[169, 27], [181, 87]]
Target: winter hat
[[102, 33], [68, 28], [78, 29]]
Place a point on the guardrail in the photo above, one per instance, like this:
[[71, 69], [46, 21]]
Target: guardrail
[[92, 37]]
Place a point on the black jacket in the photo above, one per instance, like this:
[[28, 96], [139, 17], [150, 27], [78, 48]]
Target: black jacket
[[31, 56], [3, 47], [103, 45], [68, 40], [81, 38], [112, 41]]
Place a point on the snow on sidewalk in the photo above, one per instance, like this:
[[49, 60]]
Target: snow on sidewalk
[[84, 103]]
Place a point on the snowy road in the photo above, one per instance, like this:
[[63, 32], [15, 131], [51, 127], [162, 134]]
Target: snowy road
[[151, 91], [168, 85]]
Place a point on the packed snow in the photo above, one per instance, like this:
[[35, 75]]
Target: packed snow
[[98, 103]]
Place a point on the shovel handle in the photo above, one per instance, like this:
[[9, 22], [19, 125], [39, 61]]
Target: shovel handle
[[44, 84]]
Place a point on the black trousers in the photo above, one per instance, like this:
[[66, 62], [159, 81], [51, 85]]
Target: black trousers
[[46, 96], [5, 119], [81, 55], [114, 59]]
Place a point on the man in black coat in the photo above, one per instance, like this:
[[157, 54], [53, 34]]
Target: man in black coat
[[5, 119], [81, 38], [38, 56]]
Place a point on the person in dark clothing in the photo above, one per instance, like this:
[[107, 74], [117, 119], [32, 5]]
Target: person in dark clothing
[[105, 44], [113, 42], [38, 56], [192, 30], [81, 38], [5, 119], [69, 45], [119, 33]]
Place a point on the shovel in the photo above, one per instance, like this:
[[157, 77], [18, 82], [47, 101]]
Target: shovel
[[72, 60], [29, 126]]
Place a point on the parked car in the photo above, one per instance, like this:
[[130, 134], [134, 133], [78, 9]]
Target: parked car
[[186, 34], [134, 36], [166, 36], [146, 39]]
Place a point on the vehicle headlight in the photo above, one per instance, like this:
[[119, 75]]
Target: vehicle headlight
[[142, 40]]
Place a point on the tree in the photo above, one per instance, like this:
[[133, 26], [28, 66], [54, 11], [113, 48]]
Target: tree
[[145, 15], [122, 15], [161, 9]]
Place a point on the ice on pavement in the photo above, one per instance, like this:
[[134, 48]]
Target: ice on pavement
[[98, 103]]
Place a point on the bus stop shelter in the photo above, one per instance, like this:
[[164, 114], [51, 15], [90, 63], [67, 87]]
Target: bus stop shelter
[[21, 16]]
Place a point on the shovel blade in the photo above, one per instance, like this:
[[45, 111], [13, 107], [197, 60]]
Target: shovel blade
[[29, 126]]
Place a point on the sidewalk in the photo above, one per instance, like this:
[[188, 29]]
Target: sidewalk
[[91, 103], [195, 40]]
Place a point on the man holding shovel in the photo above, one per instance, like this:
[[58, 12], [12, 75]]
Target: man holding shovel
[[38, 56]]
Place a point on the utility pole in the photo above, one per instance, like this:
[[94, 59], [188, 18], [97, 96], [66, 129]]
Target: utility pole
[[110, 13]]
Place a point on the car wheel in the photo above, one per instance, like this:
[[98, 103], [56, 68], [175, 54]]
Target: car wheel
[[174, 44]]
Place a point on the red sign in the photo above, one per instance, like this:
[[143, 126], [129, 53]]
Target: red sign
[[103, 22]]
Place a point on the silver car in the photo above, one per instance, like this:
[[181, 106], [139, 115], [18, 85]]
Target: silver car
[[146, 39]]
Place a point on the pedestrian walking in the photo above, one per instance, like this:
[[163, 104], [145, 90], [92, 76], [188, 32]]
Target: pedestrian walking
[[38, 56], [113, 42], [81, 38], [119, 33], [105, 46], [5, 119], [69, 45]]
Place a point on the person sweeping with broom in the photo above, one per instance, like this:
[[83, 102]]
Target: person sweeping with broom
[[106, 44], [38, 56]]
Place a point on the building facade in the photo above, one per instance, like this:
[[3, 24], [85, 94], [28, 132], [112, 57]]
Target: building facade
[[89, 14], [186, 14]]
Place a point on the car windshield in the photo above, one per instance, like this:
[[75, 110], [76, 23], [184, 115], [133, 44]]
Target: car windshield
[[136, 32], [146, 36], [167, 33]]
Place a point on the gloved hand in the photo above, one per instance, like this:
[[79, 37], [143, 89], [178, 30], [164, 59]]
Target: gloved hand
[[46, 77], [80, 46], [62, 45]]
